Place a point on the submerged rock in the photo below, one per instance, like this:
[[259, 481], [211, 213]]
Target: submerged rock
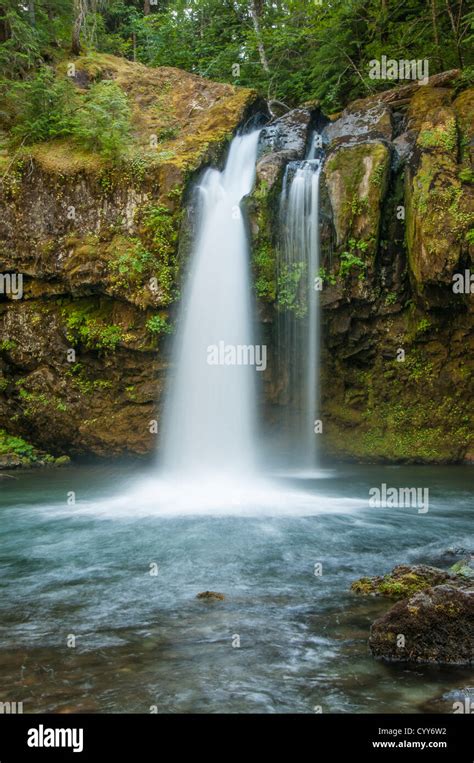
[[465, 567], [211, 596], [403, 581], [433, 626]]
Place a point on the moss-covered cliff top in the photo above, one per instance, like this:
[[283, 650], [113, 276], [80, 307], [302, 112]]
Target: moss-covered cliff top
[[177, 118]]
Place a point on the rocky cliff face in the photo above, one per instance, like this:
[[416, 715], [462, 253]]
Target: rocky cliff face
[[397, 219], [83, 352]]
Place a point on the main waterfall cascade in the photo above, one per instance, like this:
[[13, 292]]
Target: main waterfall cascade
[[299, 327], [208, 462], [210, 410]]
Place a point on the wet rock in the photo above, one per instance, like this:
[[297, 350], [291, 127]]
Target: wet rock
[[460, 700], [403, 581], [404, 146], [211, 596], [433, 626], [288, 133], [356, 126], [465, 567], [448, 556], [9, 461], [271, 166]]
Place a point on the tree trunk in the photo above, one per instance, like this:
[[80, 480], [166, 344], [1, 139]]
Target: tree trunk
[[455, 24], [146, 7], [31, 12], [5, 32], [256, 11], [80, 10]]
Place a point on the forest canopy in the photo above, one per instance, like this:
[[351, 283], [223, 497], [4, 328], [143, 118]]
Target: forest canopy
[[290, 50]]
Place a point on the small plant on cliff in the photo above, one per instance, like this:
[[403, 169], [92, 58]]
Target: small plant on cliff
[[161, 226], [350, 258], [6, 345], [158, 325], [378, 175], [327, 277], [94, 334], [391, 298], [466, 175], [10, 444], [264, 264], [291, 292], [445, 136]]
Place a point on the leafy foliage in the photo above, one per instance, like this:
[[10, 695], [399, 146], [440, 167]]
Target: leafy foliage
[[10, 444], [289, 50], [158, 325], [43, 107], [91, 332], [102, 122]]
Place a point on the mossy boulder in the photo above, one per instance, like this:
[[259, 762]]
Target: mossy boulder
[[356, 177], [403, 581], [440, 211], [434, 626], [360, 122]]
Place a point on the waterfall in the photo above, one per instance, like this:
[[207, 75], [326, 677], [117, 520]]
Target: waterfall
[[299, 319], [209, 414]]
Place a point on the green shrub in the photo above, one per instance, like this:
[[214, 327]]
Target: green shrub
[[10, 444], [102, 123], [158, 325], [350, 258], [43, 107], [292, 288], [91, 332]]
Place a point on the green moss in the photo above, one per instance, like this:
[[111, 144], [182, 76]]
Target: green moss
[[443, 136], [357, 179], [134, 263], [404, 588], [264, 264], [82, 381], [292, 288], [363, 586], [391, 298], [6, 345], [398, 410], [466, 175], [264, 252]]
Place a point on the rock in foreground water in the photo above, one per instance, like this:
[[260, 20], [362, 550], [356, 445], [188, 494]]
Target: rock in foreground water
[[433, 626], [211, 596]]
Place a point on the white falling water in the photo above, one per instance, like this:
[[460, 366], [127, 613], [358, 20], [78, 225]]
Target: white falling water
[[300, 214], [210, 410], [208, 451]]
